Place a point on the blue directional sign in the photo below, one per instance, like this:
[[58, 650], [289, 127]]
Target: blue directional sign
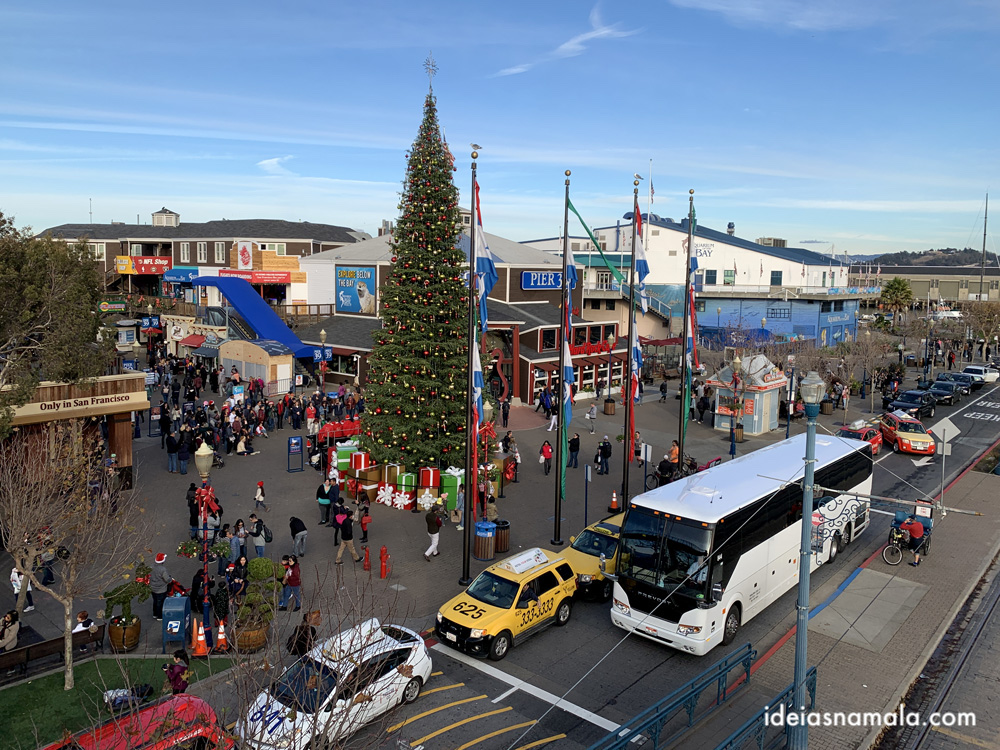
[[541, 279]]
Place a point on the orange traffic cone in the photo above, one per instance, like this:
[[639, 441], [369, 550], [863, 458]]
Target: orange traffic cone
[[198, 646], [221, 644], [613, 508]]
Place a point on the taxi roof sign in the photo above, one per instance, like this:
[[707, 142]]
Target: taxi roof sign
[[857, 424], [524, 561]]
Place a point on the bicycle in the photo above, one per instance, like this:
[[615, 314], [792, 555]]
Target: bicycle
[[689, 467], [899, 543]]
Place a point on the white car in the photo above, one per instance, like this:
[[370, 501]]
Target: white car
[[987, 373], [338, 687]]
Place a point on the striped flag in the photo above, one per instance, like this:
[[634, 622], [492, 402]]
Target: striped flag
[[641, 264], [478, 383], [615, 273], [636, 354], [486, 269]]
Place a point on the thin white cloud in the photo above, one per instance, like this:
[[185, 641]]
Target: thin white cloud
[[795, 14], [575, 46], [276, 166]]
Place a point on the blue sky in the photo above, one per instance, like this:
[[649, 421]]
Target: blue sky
[[868, 125]]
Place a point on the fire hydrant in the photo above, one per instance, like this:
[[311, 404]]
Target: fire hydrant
[[384, 568], [368, 560]]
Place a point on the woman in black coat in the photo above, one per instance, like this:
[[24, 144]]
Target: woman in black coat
[[192, 500]]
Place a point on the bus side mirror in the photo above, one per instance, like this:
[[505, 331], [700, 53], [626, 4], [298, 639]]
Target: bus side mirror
[[717, 592], [604, 568], [603, 563]]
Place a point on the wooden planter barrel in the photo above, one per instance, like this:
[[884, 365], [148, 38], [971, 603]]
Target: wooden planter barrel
[[124, 637], [251, 638]]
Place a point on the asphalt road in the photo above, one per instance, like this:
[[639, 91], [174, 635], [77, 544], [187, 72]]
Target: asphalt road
[[603, 676]]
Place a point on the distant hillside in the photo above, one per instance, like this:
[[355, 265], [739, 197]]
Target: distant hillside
[[948, 256]]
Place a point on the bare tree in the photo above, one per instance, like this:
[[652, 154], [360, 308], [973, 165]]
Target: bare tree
[[984, 320], [58, 502], [870, 353]]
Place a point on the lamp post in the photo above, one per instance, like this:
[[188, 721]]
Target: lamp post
[[763, 325], [791, 399], [149, 331], [899, 347], [811, 391], [718, 317], [206, 502], [612, 340], [868, 348], [322, 362], [737, 367]]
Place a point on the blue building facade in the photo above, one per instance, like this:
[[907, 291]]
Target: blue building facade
[[828, 322]]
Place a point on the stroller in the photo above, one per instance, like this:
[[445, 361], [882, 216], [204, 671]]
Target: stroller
[[217, 460]]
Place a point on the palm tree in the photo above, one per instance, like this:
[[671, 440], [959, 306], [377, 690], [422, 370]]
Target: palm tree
[[896, 297]]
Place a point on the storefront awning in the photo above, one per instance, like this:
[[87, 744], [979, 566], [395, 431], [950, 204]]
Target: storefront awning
[[194, 340], [206, 351], [596, 361], [340, 351], [547, 366]]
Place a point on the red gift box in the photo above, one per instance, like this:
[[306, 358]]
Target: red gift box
[[361, 460], [429, 477]]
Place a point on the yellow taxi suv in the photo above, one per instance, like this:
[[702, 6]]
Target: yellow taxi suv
[[585, 556], [508, 602]]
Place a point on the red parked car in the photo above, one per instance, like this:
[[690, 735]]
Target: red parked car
[[183, 722]]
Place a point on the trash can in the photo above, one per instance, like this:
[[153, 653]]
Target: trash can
[[502, 543], [911, 360], [176, 621], [483, 547], [609, 407], [738, 432], [826, 406]]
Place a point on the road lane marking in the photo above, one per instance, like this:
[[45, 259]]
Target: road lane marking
[[532, 690], [436, 674], [963, 737], [538, 743], [504, 695], [412, 719], [473, 743], [443, 687], [463, 722]]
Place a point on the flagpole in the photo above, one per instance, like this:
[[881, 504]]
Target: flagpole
[[627, 375], [561, 423], [471, 433], [649, 206], [685, 397]]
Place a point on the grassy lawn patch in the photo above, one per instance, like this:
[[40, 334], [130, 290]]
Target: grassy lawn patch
[[38, 711]]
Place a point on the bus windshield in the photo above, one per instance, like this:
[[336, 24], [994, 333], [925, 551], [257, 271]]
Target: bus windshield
[[665, 552]]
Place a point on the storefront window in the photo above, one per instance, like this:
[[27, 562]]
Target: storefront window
[[579, 336], [608, 331], [548, 339]]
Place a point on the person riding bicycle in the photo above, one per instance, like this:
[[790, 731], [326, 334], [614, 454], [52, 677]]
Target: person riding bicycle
[[665, 470], [915, 529]]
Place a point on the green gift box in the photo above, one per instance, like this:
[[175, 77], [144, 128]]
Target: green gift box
[[407, 481], [449, 484], [344, 451]]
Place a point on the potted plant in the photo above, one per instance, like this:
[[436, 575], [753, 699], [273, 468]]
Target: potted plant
[[189, 548], [253, 618], [124, 629]]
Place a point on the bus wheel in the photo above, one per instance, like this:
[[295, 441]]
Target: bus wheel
[[848, 535], [834, 548], [732, 625]]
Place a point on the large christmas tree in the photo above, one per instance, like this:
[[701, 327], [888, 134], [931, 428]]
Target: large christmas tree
[[415, 397]]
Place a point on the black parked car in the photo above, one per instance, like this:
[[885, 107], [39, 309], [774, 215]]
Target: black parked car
[[972, 382], [951, 377], [916, 403], [946, 391]]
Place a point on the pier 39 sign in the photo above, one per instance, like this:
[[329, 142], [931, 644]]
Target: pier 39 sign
[[541, 280]]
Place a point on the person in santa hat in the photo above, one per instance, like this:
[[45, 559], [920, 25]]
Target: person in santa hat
[[159, 582]]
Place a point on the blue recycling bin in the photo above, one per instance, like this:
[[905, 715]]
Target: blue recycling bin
[[176, 621], [484, 546]]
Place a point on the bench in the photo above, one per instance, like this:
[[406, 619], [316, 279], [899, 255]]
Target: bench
[[674, 372], [19, 658]]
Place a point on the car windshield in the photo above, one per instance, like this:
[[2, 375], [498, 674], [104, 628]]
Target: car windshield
[[491, 589], [305, 685], [856, 434], [943, 387], [665, 552], [595, 544], [913, 427], [909, 398]]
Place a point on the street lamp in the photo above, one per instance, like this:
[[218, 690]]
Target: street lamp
[[737, 367], [900, 348], [206, 502], [811, 391], [868, 348], [763, 325], [718, 317], [149, 331], [136, 348], [322, 362]]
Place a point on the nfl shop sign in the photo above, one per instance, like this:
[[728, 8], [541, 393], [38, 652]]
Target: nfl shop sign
[[259, 277], [244, 255], [152, 266]]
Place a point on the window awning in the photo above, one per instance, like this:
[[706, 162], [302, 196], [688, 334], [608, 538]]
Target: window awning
[[340, 351], [194, 340], [547, 366], [596, 361], [206, 351]]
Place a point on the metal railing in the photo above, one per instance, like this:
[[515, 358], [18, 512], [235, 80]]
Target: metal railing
[[764, 735], [654, 304], [663, 722]]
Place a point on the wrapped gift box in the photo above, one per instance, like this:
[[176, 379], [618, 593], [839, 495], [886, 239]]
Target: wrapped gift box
[[344, 451], [449, 484], [369, 475], [430, 477], [371, 490], [406, 481], [361, 460], [391, 471], [404, 500]]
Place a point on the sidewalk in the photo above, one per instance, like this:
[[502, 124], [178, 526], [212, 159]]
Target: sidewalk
[[871, 641]]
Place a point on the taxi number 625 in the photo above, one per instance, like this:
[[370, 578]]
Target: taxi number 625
[[471, 610]]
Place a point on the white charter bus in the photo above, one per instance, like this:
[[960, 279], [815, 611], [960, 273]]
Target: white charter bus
[[702, 555]]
